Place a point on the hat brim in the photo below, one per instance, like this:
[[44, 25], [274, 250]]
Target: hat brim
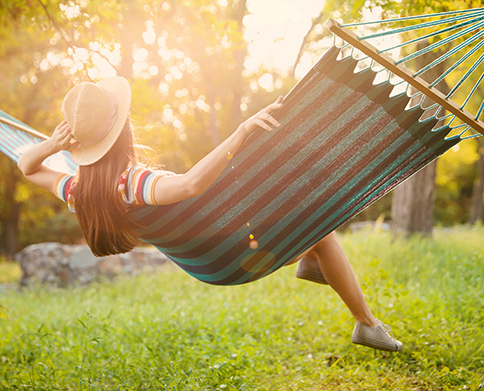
[[85, 155]]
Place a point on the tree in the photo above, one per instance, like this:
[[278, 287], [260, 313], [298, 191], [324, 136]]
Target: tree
[[477, 206], [9, 209], [26, 94], [413, 200]]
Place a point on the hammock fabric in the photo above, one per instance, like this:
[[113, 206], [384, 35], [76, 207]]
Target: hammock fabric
[[343, 144]]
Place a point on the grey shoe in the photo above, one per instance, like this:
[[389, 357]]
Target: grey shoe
[[378, 337], [308, 269]]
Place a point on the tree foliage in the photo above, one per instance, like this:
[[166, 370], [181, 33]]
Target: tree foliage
[[185, 60]]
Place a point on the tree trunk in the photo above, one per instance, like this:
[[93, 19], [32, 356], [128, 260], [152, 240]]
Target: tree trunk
[[11, 231], [413, 200], [477, 207], [316, 21], [9, 216], [413, 203], [236, 11]]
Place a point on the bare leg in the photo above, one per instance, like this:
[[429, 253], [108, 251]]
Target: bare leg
[[338, 272]]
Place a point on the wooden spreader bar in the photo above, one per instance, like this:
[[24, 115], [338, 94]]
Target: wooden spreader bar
[[405, 74]]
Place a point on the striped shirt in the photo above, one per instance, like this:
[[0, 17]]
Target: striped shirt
[[136, 186]]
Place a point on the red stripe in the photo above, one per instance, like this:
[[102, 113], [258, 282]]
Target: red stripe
[[139, 187], [67, 188]]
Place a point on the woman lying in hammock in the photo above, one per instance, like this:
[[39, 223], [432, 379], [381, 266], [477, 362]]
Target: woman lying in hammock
[[97, 131]]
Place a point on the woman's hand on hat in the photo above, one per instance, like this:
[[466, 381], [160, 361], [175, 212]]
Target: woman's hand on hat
[[61, 139], [263, 119]]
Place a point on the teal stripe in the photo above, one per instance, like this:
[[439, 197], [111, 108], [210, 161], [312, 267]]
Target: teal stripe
[[475, 10], [451, 52], [442, 42], [430, 35], [456, 64], [478, 62]]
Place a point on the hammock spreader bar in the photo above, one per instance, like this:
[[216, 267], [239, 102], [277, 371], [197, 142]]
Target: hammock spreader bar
[[405, 74], [468, 24]]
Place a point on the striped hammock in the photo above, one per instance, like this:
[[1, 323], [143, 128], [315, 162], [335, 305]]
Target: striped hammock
[[343, 144]]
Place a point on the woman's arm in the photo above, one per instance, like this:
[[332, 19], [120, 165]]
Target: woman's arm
[[202, 175], [30, 163]]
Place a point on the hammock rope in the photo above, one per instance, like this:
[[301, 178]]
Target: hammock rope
[[406, 18], [478, 16]]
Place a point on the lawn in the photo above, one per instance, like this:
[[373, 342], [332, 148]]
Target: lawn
[[167, 331]]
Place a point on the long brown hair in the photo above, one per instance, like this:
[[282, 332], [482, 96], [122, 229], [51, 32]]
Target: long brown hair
[[100, 210]]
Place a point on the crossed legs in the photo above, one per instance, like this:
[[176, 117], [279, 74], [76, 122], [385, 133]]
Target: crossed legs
[[338, 272]]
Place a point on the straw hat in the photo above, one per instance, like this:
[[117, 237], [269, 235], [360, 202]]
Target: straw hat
[[96, 114]]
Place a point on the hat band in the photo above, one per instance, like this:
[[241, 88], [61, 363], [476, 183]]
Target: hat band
[[108, 123]]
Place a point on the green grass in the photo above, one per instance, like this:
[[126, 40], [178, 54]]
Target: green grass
[[170, 332], [9, 272]]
